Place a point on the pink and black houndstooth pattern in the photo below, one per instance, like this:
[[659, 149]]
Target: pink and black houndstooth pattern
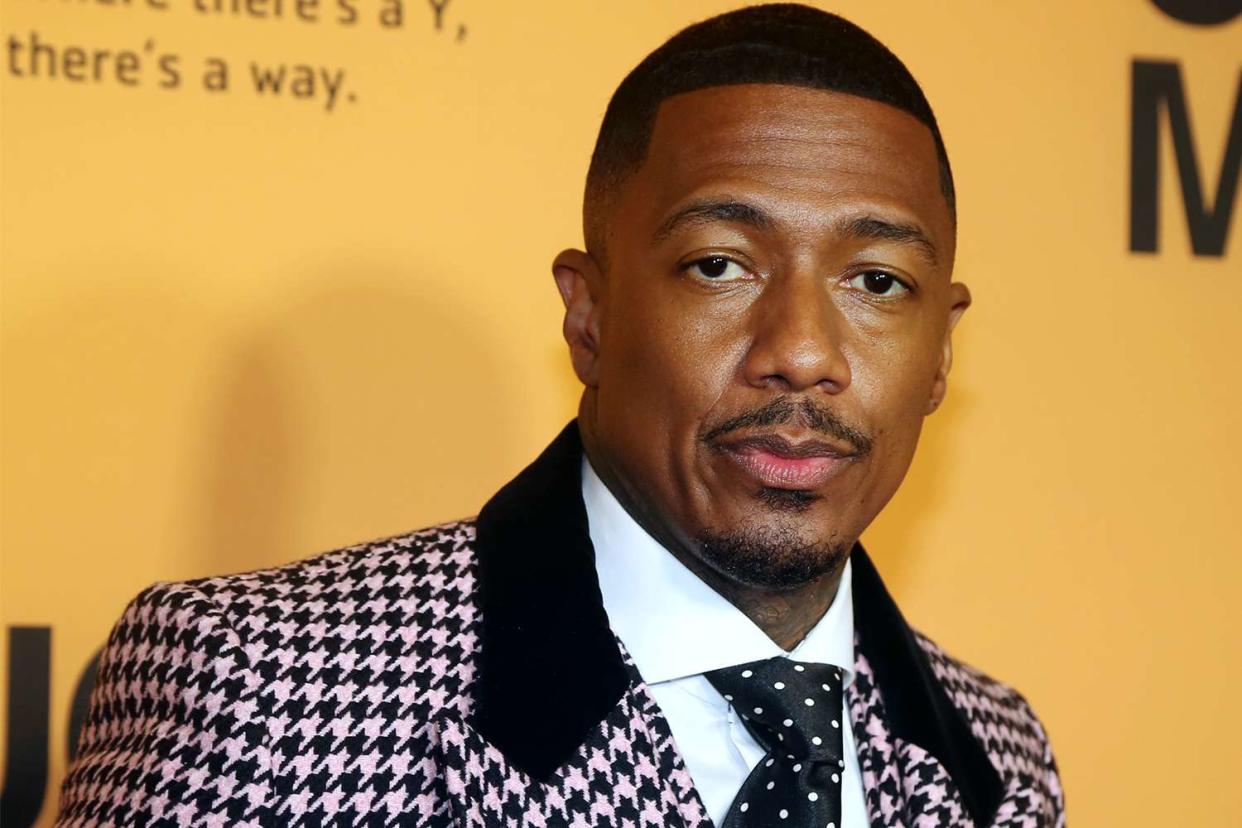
[[338, 691], [304, 695], [907, 786]]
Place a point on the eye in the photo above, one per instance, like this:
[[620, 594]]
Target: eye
[[716, 269], [879, 283]]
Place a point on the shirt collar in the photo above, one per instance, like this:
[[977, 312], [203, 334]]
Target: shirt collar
[[673, 624]]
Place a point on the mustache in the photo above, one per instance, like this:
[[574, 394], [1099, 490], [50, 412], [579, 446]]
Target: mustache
[[785, 410]]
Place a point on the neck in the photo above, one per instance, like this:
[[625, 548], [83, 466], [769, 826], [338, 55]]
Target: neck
[[785, 616]]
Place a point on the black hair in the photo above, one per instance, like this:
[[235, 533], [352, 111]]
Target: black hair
[[780, 43]]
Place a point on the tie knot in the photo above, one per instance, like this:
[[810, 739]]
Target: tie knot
[[790, 707]]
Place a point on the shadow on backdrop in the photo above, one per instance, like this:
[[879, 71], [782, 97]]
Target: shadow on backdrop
[[357, 400]]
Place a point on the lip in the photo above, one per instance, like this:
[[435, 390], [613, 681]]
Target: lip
[[779, 462]]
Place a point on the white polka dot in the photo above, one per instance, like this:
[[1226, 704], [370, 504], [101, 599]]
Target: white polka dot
[[797, 767], [790, 755], [810, 702], [728, 697], [758, 710], [841, 762], [784, 814], [827, 689], [788, 723], [812, 796], [836, 778], [771, 785], [799, 667], [747, 673], [780, 685], [781, 736], [835, 723], [769, 763], [832, 825], [745, 807], [815, 740]]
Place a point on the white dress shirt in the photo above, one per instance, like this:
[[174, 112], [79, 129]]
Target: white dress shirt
[[676, 628]]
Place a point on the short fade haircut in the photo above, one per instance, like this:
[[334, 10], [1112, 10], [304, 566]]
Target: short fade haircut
[[780, 43]]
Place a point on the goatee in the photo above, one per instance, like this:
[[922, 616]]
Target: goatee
[[776, 558]]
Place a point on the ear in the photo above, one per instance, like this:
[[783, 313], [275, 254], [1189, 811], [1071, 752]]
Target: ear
[[959, 301], [580, 282]]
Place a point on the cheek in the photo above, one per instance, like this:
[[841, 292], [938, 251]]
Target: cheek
[[892, 383], [663, 368], [665, 360], [894, 367]]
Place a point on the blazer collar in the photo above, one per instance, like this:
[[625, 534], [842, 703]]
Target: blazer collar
[[550, 669]]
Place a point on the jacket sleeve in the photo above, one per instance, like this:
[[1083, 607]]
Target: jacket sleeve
[[174, 734]]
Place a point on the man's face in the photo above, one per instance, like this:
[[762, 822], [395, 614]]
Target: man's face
[[772, 326]]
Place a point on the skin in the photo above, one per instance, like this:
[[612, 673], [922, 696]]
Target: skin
[[780, 306]]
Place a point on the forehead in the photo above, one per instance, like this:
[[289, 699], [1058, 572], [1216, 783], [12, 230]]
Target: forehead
[[807, 156]]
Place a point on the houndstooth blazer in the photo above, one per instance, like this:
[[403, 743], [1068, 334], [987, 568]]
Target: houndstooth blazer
[[467, 675]]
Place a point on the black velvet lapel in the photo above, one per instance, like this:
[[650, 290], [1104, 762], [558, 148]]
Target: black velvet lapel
[[917, 707], [550, 669]]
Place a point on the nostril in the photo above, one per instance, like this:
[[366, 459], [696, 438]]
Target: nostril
[[776, 381]]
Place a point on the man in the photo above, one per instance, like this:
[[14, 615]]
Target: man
[[666, 619]]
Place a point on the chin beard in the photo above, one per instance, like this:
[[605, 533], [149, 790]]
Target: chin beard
[[775, 558]]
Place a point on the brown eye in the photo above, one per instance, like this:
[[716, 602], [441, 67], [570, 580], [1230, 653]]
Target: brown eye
[[717, 269], [878, 283]]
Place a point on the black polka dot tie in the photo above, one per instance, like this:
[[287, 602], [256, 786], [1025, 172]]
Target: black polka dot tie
[[794, 711]]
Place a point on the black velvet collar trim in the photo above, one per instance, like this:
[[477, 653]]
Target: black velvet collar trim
[[550, 670]]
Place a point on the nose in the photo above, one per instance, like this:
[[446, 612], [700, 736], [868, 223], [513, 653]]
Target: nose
[[796, 340]]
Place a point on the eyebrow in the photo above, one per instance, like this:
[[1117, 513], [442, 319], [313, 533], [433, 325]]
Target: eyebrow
[[706, 212], [739, 212], [872, 227]]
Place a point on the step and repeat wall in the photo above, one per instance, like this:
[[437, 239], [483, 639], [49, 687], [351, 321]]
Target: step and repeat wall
[[276, 280]]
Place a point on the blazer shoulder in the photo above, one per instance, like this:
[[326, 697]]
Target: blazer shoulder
[[419, 583], [174, 694], [191, 610], [208, 674], [962, 679], [1000, 717], [200, 678], [440, 556]]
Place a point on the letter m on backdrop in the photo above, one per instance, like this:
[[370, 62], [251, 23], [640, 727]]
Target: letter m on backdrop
[[1157, 86]]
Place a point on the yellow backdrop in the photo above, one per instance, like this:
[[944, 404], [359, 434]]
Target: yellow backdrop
[[241, 327]]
